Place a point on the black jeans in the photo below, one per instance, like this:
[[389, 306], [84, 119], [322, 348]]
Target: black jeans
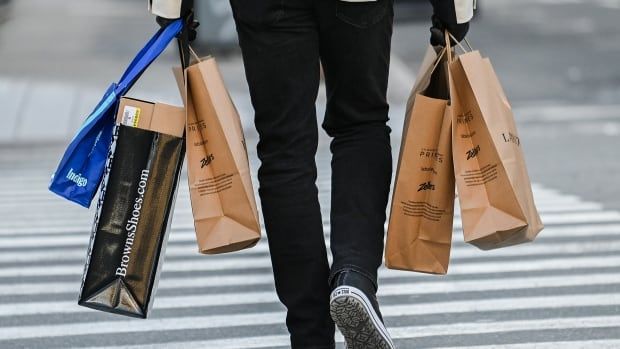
[[282, 43]]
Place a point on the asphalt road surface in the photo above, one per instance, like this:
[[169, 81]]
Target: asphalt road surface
[[565, 287]]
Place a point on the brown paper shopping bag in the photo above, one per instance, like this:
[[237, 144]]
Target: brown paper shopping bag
[[495, 195], [223, 203], [420, 228]]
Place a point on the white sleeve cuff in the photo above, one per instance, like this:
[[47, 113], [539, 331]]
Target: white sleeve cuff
[[464, 10], [165, 8]]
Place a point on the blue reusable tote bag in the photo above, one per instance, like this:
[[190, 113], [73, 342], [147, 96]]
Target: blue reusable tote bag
[[81, 169]]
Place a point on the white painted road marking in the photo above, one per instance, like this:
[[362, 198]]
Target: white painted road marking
[[43, 237]]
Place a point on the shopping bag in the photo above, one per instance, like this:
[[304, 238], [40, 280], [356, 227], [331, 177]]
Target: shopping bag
[[223, 203], [419, 233], [495, 195], [81, 168], [134, 210]]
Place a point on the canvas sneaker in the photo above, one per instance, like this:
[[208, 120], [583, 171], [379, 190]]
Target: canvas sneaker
[[355, 310]]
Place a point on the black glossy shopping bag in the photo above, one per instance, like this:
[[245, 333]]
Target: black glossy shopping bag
[[132, 222]]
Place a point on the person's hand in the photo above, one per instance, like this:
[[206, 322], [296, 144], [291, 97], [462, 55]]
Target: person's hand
[[191, 30], [438, 29]]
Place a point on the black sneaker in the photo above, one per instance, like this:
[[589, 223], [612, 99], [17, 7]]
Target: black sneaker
[[355, 310]]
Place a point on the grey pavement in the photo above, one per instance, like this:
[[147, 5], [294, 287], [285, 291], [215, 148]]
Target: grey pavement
[[57, 61], [557, 61]]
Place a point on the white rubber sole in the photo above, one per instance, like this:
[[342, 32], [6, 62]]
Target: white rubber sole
[[357, 320]]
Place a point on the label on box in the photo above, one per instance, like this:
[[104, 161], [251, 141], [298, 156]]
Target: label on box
[[131, 116]]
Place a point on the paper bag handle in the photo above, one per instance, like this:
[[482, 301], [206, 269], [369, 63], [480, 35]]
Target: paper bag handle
[[438, 59], [470, 48], [448, 47], [448, 36], [191, 50]]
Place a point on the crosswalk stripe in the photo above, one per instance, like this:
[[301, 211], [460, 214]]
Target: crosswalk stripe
[[187, 224], [177, 236], [218, 321], [25, 206], [391, 289], [120, 326], [19, 189], [85, 219], [183, 243], [261, 262], [229, 343], [575, 230], [81, 238], [190, 250], [410, 332], [183, 214], [44, 201], [504, 326], [592, 343], [218, 299]]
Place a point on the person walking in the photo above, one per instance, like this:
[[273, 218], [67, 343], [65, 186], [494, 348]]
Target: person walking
[[284, 43]]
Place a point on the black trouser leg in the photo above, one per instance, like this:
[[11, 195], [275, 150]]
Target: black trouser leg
[[355, 52], [279, 43]]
